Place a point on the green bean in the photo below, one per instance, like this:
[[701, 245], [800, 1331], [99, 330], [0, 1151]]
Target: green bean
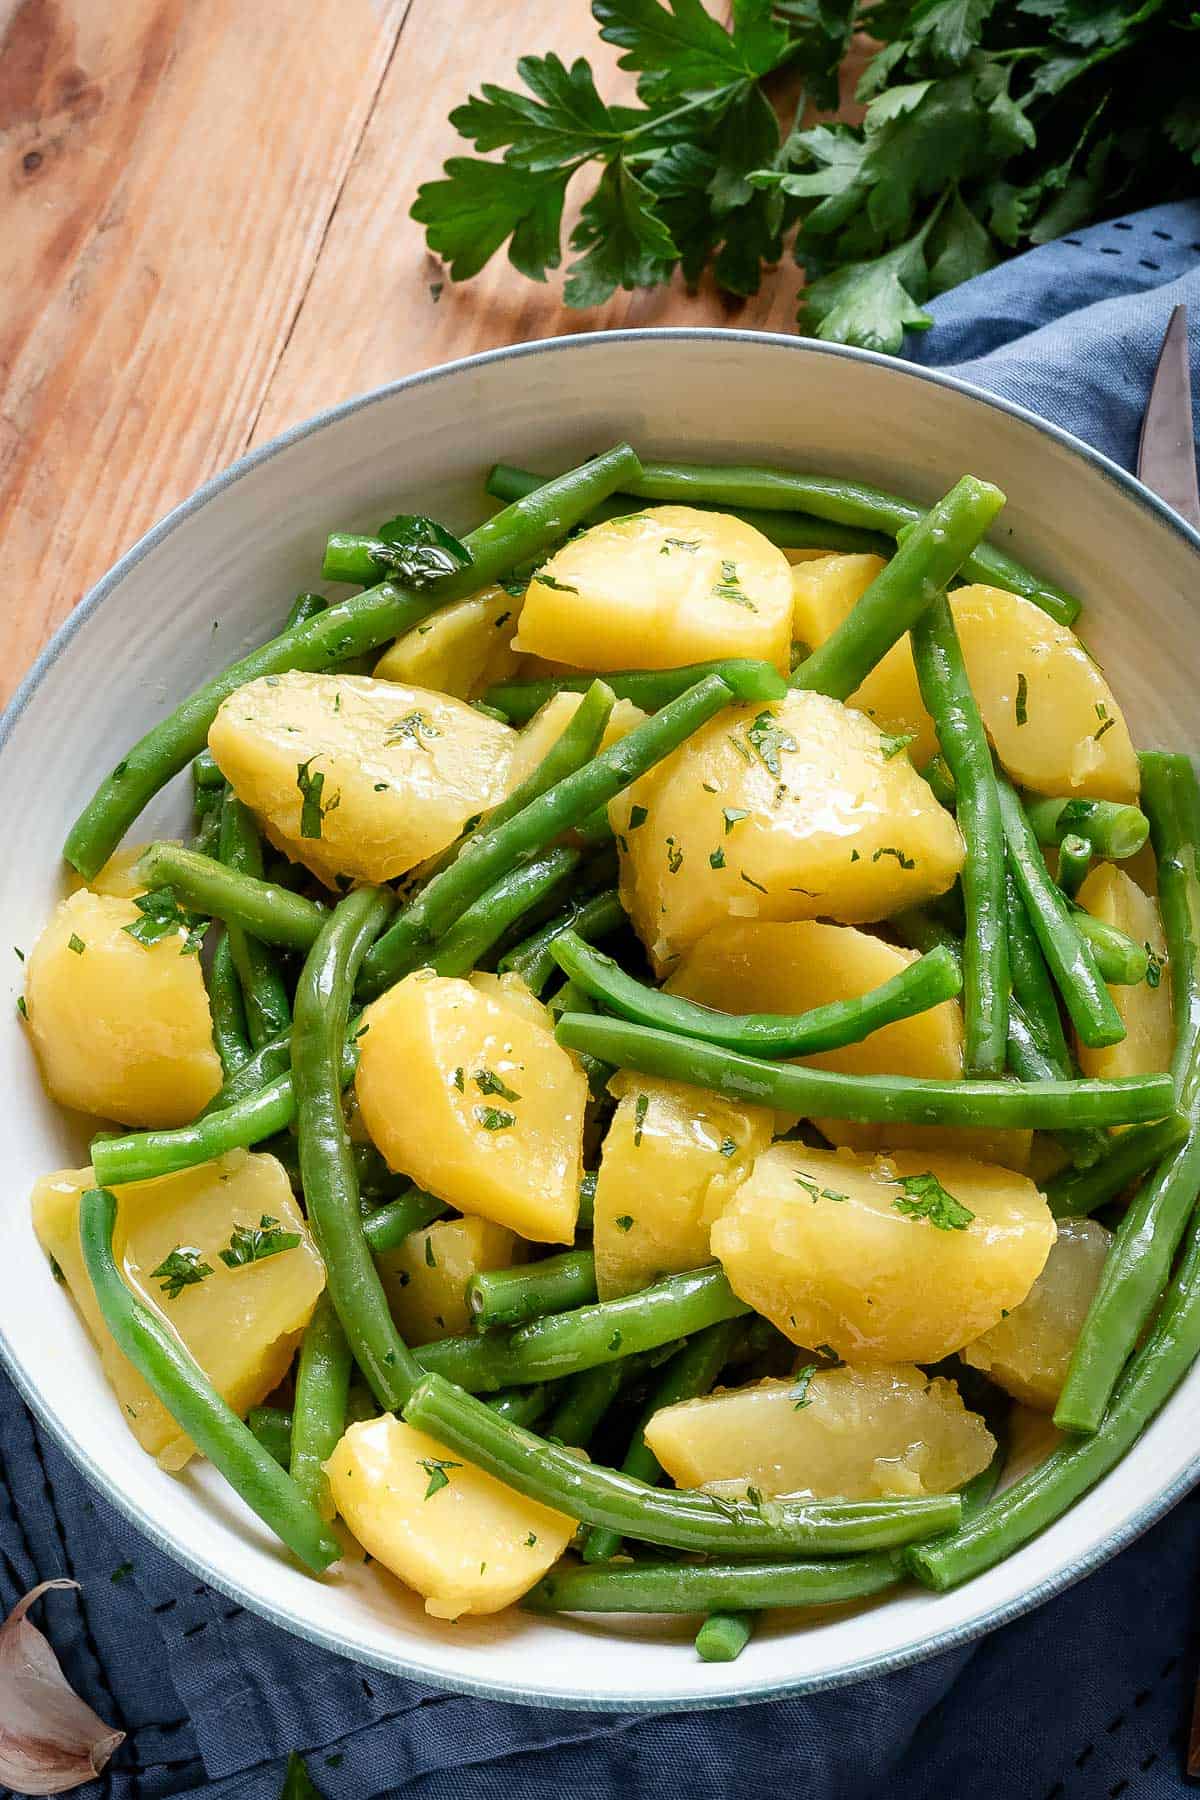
[[228, 1012], [1032, 987], [591, 916], [387, 1228], [326, 1163], [529, 1290], [570, 998], [937, 773], [304, 607], [264, 993], [870, 1099], [268, 1061], [585, 1399], [724, 1635], [522, 1405], [672, 1587], [1121, 962], [691, 1372], [169, 1370], [206, 777], [922, 566], [1075, 1193], [347, 629], [270, 912], [587, 1199], [272, 1426], [564, 1343], [319, 1411], [1113, 830], [650, 689], [946, 693], [800, 511], [686, 1519], [207, 835], [925, 983], [1068, 953], [1074, 860], [1139, 1260], [493, 850], [498, 908]]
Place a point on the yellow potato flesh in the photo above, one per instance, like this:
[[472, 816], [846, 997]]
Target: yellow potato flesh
[[815, 1242], [824, 588], [791, 810], [117, 877], [755, 967], [460, 650], [857, 1433], [403, 768], [548, 724], [511, 991], [1029, 1352], [242, 1325], [433, 1068], [425, 1278], [1108, 893], [662, 587], [672, 1157], [122, 1029], [459, 1537]]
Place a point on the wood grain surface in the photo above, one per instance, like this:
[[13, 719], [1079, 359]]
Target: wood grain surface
[[204, 220]]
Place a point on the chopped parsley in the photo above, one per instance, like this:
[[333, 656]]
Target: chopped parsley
[[716, 858], [488, 1082], [730, 587], [1154, 965], [430, 1258], [732, 815], [531, 1540], [1106, 724], [614, 1342], [624, 1222], [641, 1107], [435, 1467], [924, 1197], [906, 862], [184, 1267], [502, 620], [674, 856], [674, 543], [312, 811], [559, 587], [162, 916], [637, 816], [254, 1243], [727, 1147], [492, 1119], [750, 882], [413, 728], [768, 739], [893, 743], [417, 550], [18, 953], [76, 943], [22, 1006], [1022, 702], [459, 1080], [815, 1191], [800, 1395]]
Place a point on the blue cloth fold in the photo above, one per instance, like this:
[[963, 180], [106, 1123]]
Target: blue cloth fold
[[1088, 1696]]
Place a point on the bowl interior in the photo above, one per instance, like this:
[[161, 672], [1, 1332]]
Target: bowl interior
[[218, 576]]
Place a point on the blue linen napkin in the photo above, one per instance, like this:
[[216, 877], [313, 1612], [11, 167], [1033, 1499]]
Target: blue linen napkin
[[1087, 1697]]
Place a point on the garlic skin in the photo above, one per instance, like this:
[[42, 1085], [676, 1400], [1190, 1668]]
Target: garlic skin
[[50, 1739]]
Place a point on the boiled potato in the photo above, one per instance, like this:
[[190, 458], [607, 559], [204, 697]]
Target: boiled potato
[[548, 724], [509, 990], [672, 1157], [824, 588], [792, 810], [117, 877], [1028, 1352], [857, 1433], [1108, 893], [425, 1278], [403, 769], [748, 966], [891, 1259], [461, 1538], [476, 1102], [121, 1028], [241, 1324], [662, 587], [461, 649]]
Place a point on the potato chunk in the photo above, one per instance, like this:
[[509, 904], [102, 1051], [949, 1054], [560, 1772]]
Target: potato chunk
[[117, 877], [672, 1157], [854, 1433], [1028, 1353], [459, 1537], [792, 810], [896, 1259], [550, 721], [241, 1324], [748, 966], [1145, 1007], [121, 1028], [476, 1102], [425, 1278], [402, 769], [666, 586], [824, 588], [460, 650]]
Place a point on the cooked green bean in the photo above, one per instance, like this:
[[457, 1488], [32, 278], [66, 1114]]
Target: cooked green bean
[[673, 1587], [937, 773], [228, 1013], [530, 1290], [925, 983], [923, 565], [206, 777], [272, 1426], [272, 913], [319, 1410], [946, 693], [1113, 830], [360, 623], [268, 1061], [1032, 987], [304, 607], [687, 1519], [523, 1405], [650, 689], [326, 1162], [1074, 1193], [587, 1198], [170, 1371], [1120, 961], [870, 1099], [388, 1226], [570, 998], [491, 851], [498, 908], [724, 1635], [264, 993], [586, 1398], [1074, 860], [592, 916], [564, 1343], [1139, 1260], [1066, 950]]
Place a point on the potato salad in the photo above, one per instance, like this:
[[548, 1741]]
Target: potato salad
[[676, 1020]]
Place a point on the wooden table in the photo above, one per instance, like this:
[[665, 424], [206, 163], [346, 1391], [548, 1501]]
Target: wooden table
[[206, 238]]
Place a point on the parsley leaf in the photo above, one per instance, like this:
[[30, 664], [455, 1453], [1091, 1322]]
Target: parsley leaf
[[924, 1197], [162, 916], [312, 810], [435, 1467], [254, 1243], [492, 1119], [800, 1395], [184, 1267], [417, 550], [626, 243], [488, 1082]]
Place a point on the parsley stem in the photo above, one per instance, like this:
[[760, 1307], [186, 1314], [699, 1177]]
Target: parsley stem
[[554, 1284], [649, 689], [166, 1367], [593, 916]]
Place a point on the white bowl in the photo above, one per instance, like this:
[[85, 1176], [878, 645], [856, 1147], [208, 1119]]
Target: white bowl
[[216, 576]]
